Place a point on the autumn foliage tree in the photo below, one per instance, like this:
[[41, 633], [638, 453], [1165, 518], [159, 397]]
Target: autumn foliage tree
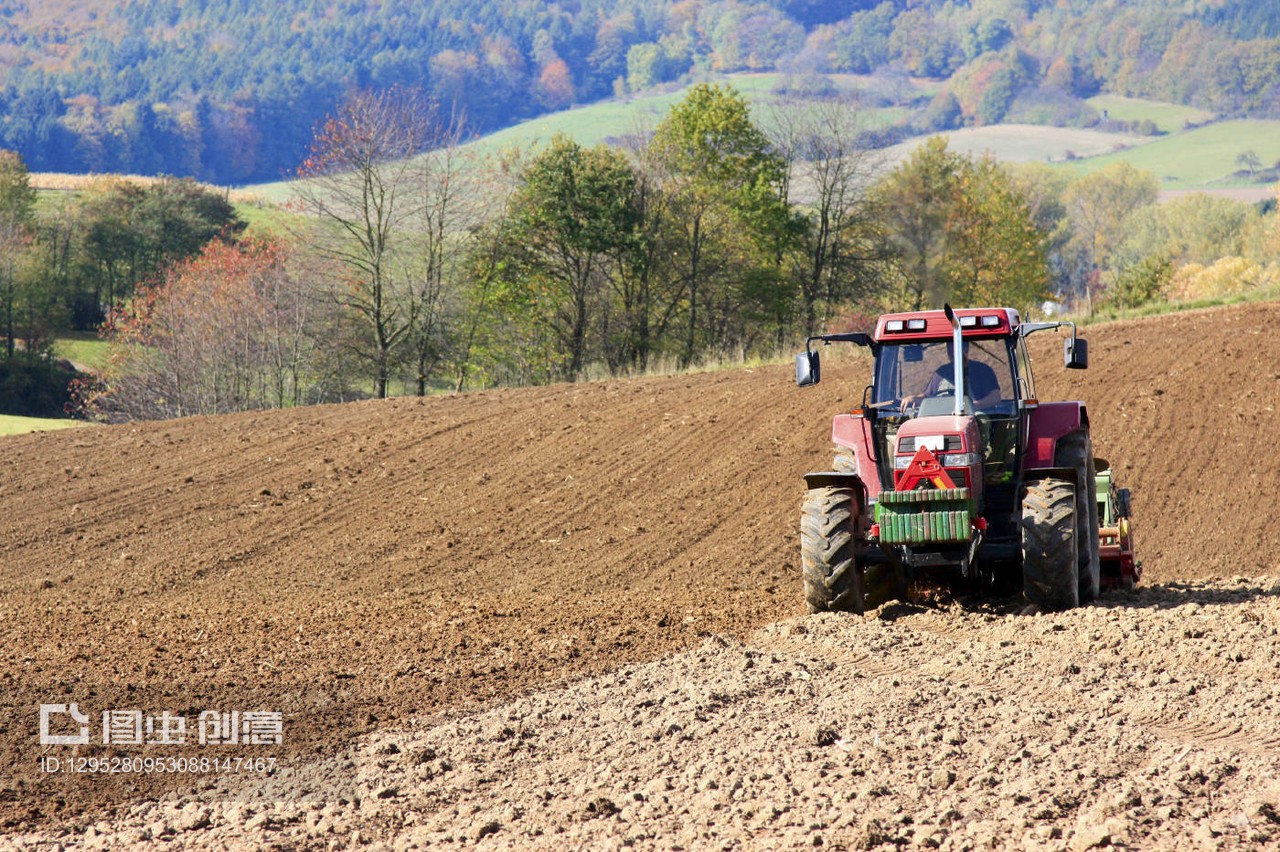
[[963, 231], [555, 85], [224, 331]]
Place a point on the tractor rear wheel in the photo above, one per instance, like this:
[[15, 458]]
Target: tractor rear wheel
[[1075, 451], [829, 521], [1050, 578]]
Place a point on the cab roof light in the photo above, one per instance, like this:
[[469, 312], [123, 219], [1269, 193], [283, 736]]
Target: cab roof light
[[968, 322], [916, 324], [894, 325], [990, 321]]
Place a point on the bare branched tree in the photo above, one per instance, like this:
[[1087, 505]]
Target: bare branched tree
[[829, 176], [446, 208], [362, 183]]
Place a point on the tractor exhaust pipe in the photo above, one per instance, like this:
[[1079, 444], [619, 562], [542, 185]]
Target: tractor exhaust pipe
[[957, 358]]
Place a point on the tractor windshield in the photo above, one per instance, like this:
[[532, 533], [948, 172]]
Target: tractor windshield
[[918, 380], [914, 379]]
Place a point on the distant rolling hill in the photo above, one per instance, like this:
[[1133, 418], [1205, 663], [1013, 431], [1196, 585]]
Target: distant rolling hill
[[1194, 153]]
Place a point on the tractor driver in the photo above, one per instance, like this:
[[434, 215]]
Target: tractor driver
[[982, 386]]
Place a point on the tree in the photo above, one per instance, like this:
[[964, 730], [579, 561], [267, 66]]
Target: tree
[[1099, 206], [454, 77], [641, 276], [573, 211], [963, 230], [224, 331], [17, 205], [1250, 161], [554, 87], [643, 69], [913, 201], [444, 204], [1195, 228], [132, 233], [924, 44], [996, 252], [1141, 282], [485, 256], [361, 184], [836, 255], [1041, 186], [724, 181], [996, 97]]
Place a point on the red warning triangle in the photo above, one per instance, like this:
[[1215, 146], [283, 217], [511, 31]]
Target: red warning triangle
[[924, 465]]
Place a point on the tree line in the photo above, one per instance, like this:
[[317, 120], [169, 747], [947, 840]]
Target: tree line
[[231, 93], [410, 267]]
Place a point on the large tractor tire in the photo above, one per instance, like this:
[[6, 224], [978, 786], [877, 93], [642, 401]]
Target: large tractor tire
[[828, 550], [1075, 451], [837, 575], [1050, 566]]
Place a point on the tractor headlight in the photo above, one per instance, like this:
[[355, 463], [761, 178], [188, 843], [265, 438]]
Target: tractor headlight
[[960, 459]]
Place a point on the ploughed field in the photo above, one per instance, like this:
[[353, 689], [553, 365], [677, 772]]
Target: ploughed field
[[567, 616]]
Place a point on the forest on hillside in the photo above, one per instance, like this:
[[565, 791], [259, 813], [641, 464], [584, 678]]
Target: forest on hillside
[[714, 238], [232, 92]]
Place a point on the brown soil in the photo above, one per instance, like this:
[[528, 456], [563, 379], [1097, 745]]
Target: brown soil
[[439, 576]]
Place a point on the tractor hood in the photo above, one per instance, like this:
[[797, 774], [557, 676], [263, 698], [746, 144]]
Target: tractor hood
[[956, 442]]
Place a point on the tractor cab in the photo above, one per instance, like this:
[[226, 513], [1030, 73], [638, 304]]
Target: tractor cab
[[916, 380], [964, 413]]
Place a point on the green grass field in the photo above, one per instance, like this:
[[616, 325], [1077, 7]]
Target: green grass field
[[1203, 158], [1170, 118], [265, 217], [82, 347], [11, 424]]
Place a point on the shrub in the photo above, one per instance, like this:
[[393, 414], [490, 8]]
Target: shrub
[[34, 385], [1228, 276]]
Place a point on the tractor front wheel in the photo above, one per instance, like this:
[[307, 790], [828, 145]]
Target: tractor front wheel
[[837, 575], [1050, 577], [829, 521]]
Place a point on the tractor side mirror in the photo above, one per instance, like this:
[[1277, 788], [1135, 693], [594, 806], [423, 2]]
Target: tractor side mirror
[[808, 368], [1123, 507], [1075, 353]]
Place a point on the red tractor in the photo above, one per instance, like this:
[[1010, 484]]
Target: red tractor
[[953, 469]]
